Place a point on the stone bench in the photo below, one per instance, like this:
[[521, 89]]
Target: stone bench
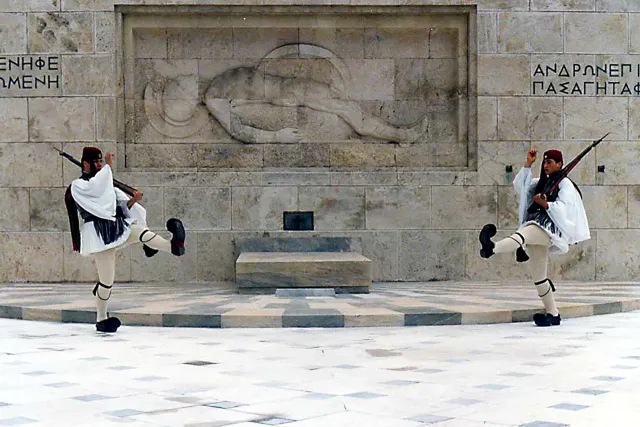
[[264, 272]]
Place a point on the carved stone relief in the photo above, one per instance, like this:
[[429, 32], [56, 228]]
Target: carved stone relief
[[269, 86]]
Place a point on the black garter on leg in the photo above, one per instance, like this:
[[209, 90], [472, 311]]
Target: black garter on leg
[[521, 255], [101, 285], [110, 324], [148, 251], [546, 319]]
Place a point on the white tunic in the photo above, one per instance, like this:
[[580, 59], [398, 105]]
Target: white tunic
[[99, 197], [567, 211]]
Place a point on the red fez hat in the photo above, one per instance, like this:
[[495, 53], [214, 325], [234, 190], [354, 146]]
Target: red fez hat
[[90, 154], [553, 155]]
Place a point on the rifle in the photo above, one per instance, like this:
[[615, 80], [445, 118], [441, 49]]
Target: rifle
[[551, 188], [122, 186]]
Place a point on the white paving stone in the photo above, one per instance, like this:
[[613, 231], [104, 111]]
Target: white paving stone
[[584, 373]]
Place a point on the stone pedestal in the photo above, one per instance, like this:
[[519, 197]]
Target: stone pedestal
[[264, 272]]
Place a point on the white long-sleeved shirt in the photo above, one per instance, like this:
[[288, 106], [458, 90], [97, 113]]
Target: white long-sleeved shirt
[[100, 198], [567, 211]]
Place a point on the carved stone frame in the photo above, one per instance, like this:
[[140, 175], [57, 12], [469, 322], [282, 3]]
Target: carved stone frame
[[467, 111]]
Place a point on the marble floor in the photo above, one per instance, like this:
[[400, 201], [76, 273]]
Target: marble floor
[[218, 305], [585, 372]]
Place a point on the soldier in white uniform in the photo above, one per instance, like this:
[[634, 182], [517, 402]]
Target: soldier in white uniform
[[546, 226], [111, 221]]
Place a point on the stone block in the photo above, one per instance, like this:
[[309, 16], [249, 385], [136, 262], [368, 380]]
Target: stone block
[[426, 155], [88, 74], [295, 178], [622, 165], [563, 5], [596, 33], [617, 254], [633, 198], [372, 79], [606, 206], [202, 43], [105, 30], [463, 207], [15, 213], [364, 178], [431, 255], [578, 264], [584, 173], [229, 178], [592, 117], [444, 43], [504, 75], [389, 208], [508, 202], [230, 156], [47, 210], [381, 247], [362, 155], [305, 292], [78, 268], [296, 156], [31, 257], [487, 118], [522, 118], [216, 257], [13, 30], [335, 208], [487, 32], [256, 43], [530, 32], [618, 6], [29, 5], [503, 4], [29, 165], [287, 243], [153, 202], [318, 128], [106, 116], [271, 270], [95, 5], [164, 266], [346, 43], [396, 42], [161, 156], [431, 177], [431, 79], [634, 118], [494, 157], [150, 43], [308, 69], [261, 208], [634, 33], [199, 208], [13, 116], [61, 119], [65, 32]]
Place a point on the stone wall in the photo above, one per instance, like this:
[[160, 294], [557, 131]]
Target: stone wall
[[63, 65]]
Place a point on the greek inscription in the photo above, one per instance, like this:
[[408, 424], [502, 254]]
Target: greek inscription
[[611, 79], [30, 72]]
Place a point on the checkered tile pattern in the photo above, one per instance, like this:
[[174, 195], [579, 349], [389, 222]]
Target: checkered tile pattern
[[216, 305]]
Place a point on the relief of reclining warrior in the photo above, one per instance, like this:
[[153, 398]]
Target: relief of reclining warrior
[[229, 91]]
